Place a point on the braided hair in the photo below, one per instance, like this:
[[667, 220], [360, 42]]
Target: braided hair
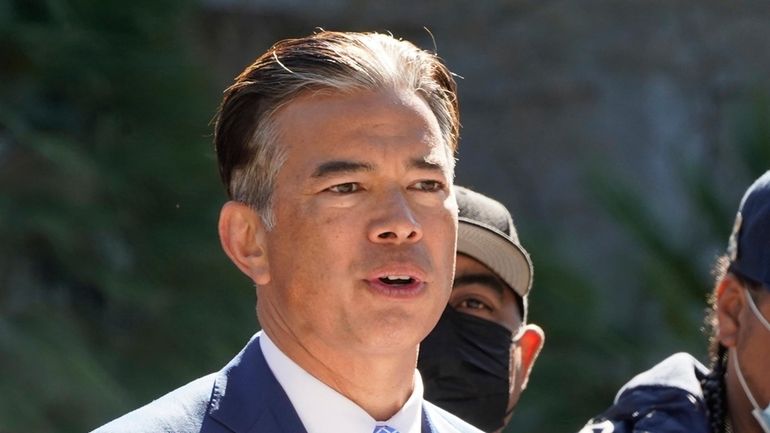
[[713, 384], [714, 395]]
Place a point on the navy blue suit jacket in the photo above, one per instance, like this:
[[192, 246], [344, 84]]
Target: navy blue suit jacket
[[244, 397]]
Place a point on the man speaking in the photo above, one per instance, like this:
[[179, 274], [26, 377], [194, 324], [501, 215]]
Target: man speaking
[[337, 151]]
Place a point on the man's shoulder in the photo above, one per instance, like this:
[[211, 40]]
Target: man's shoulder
[[180, 411], [444, 422], [668, 396], [210, 404]]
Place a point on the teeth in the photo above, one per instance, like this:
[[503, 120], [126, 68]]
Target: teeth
[[398, 278]]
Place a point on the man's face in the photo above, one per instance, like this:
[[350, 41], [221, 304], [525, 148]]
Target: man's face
[[479, 292], [361, 257]]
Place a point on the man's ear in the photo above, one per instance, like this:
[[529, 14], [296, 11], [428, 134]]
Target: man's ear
[[730, 302], [242, 235], [530, 341]]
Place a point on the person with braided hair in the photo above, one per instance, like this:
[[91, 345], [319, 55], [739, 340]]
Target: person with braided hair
[[680, 394]]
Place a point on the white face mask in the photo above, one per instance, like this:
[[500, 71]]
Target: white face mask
[[762, 416]]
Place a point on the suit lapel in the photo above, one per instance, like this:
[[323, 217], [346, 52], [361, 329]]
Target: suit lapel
[[247, 397]]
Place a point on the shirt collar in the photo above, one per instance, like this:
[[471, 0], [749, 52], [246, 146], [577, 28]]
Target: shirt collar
[[305, 393]]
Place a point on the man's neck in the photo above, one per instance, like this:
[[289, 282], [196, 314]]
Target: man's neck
[[379, 384]]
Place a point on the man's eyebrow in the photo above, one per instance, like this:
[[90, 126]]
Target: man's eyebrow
[[483, 279], [426, 164], [329, 168]]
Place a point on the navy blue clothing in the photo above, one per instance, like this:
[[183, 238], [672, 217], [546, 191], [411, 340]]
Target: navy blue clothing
[[244, 397], [665, 399]]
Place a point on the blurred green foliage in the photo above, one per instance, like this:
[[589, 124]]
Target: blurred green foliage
[[112, 287]]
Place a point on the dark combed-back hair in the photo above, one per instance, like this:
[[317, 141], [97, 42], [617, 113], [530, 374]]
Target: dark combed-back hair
[[245, 135]]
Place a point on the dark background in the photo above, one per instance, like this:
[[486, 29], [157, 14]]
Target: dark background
[[621, 134]]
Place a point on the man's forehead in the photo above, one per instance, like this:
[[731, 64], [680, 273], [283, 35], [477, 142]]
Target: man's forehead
[[363, 128]]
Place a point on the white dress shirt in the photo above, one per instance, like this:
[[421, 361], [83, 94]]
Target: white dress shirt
[[323, 410]]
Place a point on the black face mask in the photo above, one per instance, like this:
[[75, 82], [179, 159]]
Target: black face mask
[[464, 365]]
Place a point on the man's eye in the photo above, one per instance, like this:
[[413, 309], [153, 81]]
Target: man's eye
[[429, 185], [473, 304], [345, 188]]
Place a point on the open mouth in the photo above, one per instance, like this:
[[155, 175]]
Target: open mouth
[[397, 280], [397, 284]]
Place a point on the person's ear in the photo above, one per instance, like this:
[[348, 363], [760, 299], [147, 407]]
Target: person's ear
[[529, 343], [729, 304], [242, 235]]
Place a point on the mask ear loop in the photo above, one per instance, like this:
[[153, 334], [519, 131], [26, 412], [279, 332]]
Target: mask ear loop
[[757, 412], [756, 311], [744, 385], [509, 412], [515, 340]]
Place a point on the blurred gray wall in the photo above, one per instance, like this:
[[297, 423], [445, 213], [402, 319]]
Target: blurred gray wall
[[555, 91]]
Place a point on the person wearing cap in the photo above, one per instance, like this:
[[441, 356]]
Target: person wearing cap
[[476, 361], [680, 394]]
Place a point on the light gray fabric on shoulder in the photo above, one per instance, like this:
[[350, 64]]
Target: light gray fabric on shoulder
[[676, 371], [180, 411]]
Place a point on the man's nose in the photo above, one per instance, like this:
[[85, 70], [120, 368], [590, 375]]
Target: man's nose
[[397, 222]]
